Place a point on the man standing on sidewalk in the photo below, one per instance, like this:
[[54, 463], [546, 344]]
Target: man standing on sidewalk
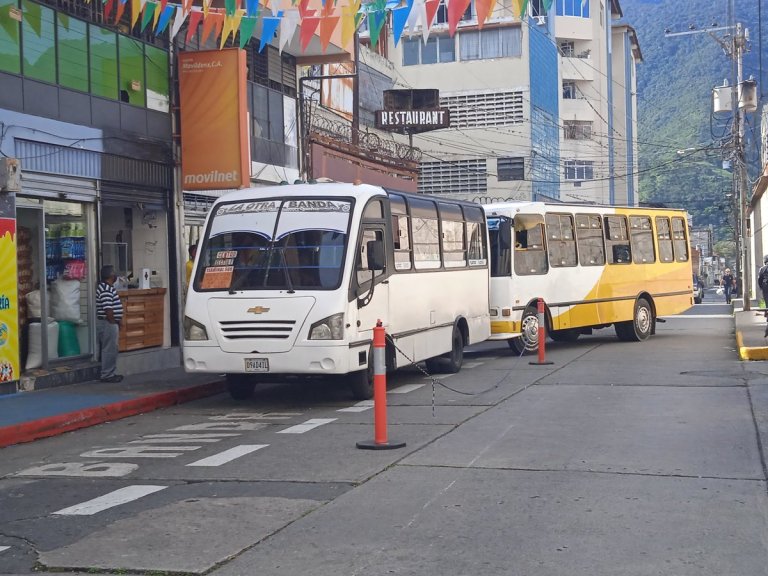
[[109, 313]]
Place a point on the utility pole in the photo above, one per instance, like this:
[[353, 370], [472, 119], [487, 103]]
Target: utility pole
[[734, 47]]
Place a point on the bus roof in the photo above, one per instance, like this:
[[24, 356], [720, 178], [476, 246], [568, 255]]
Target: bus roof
[[327, 190], [505, 208]]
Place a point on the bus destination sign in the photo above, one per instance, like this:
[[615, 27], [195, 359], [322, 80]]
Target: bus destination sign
[[410, 121]]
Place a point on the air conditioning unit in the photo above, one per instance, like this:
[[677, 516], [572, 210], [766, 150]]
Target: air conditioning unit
[[540, 20]]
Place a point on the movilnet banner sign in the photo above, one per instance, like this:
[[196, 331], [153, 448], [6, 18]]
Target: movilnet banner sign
[[412, 120], [214, 120]]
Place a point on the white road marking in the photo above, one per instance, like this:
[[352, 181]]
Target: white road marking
[[405, 389], [116, 498], [359, 407], [697, 316], [4, 548], [307, 426], [97, 470], [228, 455], [472, 364], [438, 376]]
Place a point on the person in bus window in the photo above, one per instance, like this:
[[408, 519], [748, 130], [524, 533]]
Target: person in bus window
[[728, 282]]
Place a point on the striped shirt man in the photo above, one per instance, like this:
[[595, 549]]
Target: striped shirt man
[[107, 299]]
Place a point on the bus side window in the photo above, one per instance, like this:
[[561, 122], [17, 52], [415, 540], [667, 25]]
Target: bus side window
[[664, 239], [562, 242], [617, 240], [589, 232], [679, 239], [642, 239], [477, 247], [402, 241], [361, 267], [452, 239], [530, 250]]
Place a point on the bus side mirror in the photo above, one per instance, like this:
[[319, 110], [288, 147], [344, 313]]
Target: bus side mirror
[[376, 256]]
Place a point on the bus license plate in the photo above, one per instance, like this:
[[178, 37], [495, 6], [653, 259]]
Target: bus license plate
[[257, 364]]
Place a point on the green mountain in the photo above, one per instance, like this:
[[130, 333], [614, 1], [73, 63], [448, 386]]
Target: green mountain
[[674, 95]]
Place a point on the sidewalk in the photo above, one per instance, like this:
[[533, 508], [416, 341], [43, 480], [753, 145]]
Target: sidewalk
[[27, 416]]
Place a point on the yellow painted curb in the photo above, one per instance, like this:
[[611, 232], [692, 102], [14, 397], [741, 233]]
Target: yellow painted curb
[[746, 353]]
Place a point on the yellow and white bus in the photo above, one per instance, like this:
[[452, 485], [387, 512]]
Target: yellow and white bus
[[291, 280], [593, 266]]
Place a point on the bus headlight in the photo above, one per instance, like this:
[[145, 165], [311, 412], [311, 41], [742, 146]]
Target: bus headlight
[[331, 328], [194, 330]]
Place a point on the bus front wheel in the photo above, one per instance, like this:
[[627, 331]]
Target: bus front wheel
[[361, 382], [240, 386], [640, 327], [528, 341], [451, 362]]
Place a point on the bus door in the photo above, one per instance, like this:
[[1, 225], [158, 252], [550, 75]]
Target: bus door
[[371, 287]]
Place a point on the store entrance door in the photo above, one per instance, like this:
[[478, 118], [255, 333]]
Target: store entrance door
[[55, 286]]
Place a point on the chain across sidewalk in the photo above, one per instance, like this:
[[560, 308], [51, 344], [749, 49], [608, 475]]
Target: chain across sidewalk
[[435, 381]]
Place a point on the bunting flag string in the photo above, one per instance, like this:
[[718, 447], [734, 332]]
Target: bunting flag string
[[309, 17]]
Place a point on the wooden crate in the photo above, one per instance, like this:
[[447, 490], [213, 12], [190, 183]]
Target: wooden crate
[[143, 322]]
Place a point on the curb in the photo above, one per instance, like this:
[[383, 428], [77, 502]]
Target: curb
[[55, 425], [750, 353]]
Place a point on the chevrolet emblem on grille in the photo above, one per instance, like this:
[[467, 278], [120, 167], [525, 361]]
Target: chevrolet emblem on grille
[[258, 310]]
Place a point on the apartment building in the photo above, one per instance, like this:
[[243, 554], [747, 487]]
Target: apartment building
[[542, 107]]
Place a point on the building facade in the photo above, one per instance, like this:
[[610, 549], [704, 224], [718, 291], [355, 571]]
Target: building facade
[[542, 107]]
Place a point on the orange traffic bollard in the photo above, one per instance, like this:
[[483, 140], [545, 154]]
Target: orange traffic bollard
[[542, 335], [380, 441]]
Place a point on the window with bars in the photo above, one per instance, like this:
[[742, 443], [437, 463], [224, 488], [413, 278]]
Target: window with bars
[[485, 109], [579, 170], [491, 43], [577, 129], [453, 177], [510, 168], [567, 49]]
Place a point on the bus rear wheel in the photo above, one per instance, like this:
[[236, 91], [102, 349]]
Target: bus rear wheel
[[640, 327], [528, 341], [240, 386]]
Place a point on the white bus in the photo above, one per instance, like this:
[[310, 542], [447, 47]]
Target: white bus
[[291, 280], [593, 266]]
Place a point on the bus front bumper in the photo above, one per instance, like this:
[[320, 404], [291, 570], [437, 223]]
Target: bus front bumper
[[304, 360]]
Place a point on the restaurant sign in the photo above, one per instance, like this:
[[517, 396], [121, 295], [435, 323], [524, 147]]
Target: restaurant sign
[[412, 121]]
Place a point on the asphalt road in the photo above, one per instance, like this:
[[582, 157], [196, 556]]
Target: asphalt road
[[618, 459]]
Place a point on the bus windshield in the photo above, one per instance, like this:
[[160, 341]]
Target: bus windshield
[[290, 244]]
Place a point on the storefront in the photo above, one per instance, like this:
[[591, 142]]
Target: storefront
[[67, 228]]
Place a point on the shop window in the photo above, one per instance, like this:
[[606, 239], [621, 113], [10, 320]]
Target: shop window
[[73, 53], [10, 53], [131, 70], [66, 274], [158, 91], [39, 42], [103, 62]]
